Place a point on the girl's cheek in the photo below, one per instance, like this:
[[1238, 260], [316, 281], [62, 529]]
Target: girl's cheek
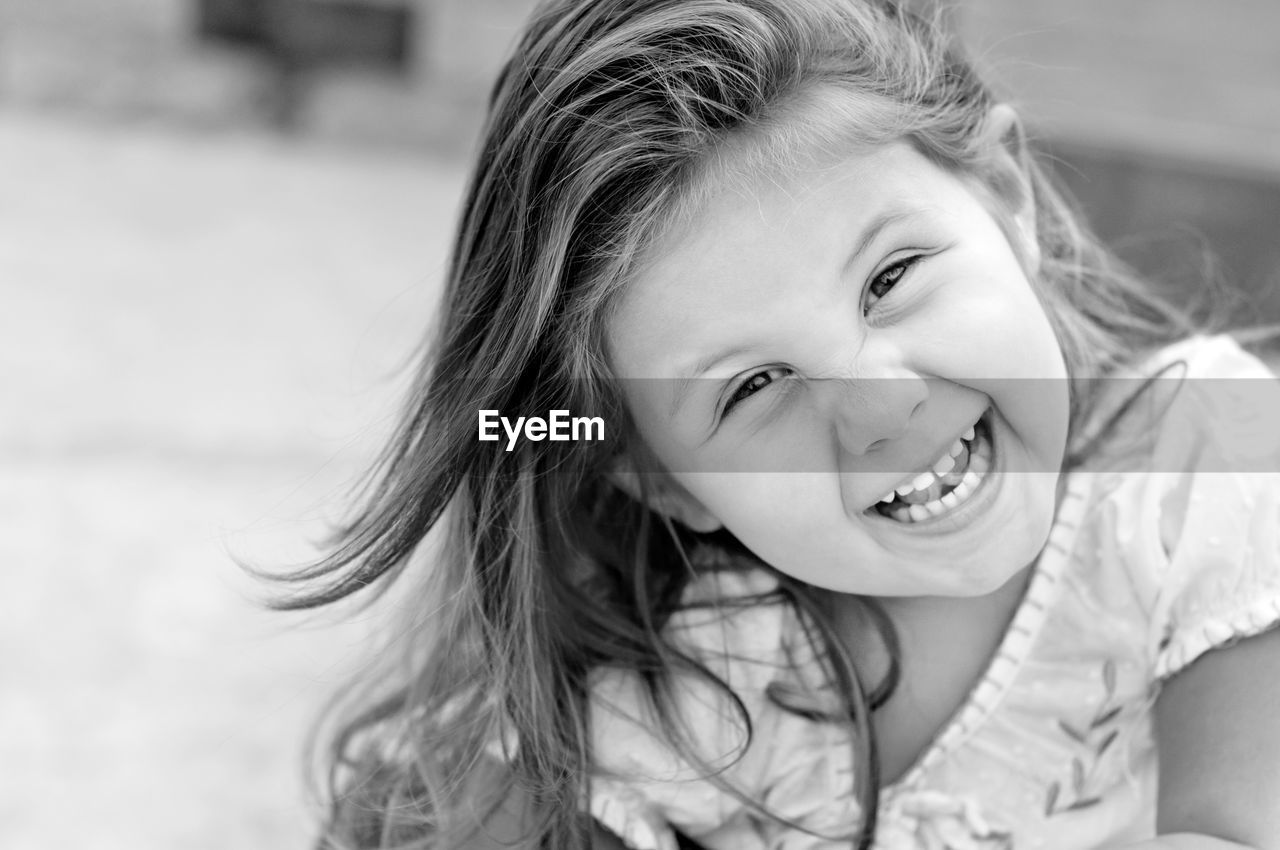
[[760, 508], [785, 438], [1005, 332], [794, 442]]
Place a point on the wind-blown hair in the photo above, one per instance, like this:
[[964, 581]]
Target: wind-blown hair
[[604, 126]]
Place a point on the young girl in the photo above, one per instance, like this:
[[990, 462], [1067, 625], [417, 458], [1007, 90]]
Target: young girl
[[916, 523]]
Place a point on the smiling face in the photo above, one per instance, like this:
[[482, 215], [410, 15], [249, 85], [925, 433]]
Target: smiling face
[[827, 335]]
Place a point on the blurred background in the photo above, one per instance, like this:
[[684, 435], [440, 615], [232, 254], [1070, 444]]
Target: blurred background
[[223, 225]]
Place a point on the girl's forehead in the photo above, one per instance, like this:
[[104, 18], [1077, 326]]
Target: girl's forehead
[[752, 235], [813, 131], [823, 117], [743, 182], [803, 198], [804, 138]]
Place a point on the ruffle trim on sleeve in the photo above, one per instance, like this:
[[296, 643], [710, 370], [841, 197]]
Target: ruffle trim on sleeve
[[646, 786], [1189, 644], [933, 820], [627, 814]]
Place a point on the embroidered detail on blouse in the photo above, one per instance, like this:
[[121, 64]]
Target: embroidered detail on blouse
[[1094, 741], [932, 820]]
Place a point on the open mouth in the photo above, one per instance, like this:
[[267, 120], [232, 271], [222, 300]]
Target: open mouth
[[949, 483]]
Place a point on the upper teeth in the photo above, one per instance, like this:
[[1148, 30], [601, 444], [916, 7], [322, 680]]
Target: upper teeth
[[944, 464], [923, 496]]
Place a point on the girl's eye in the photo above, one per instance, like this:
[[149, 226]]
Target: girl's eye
[[753, 385], [887, 280]]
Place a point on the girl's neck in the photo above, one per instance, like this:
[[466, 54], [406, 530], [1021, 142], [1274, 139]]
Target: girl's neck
[[920, 616], [946, 646], [915, 608]]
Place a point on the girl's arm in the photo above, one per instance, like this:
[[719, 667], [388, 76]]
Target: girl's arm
[[1218, 735]]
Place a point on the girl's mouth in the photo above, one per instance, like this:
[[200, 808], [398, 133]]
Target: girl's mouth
[[951, 481]]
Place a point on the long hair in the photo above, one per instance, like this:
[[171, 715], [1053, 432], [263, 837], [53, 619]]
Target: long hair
[[602, 129]]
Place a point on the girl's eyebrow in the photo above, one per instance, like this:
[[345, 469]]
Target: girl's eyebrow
[[874, 229]]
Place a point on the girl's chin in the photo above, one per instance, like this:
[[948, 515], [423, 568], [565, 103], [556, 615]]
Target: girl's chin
[[980, 556], [995, 573]]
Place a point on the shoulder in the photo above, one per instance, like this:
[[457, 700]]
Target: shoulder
[[1213, 376], [718, 739], [732, 625], [733, 620], [1200, 405], [1224, 422], [1215, 353], [651, 756], [1198, 508]]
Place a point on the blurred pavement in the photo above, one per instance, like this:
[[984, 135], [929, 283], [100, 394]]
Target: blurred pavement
[[201, 341]]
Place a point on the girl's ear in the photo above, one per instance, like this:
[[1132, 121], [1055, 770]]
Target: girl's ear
[[663, 494], [1003, 135]]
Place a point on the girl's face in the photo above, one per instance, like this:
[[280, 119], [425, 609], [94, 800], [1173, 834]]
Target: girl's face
[[826, 337]]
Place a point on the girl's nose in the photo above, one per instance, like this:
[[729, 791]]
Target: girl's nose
[[871, 411]]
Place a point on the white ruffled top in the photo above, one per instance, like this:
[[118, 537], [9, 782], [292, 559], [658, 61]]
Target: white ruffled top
[[1154, 559]]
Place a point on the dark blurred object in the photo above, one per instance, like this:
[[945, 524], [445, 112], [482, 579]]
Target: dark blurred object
[[1164, 116], [1188, 224], [303, 34]]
